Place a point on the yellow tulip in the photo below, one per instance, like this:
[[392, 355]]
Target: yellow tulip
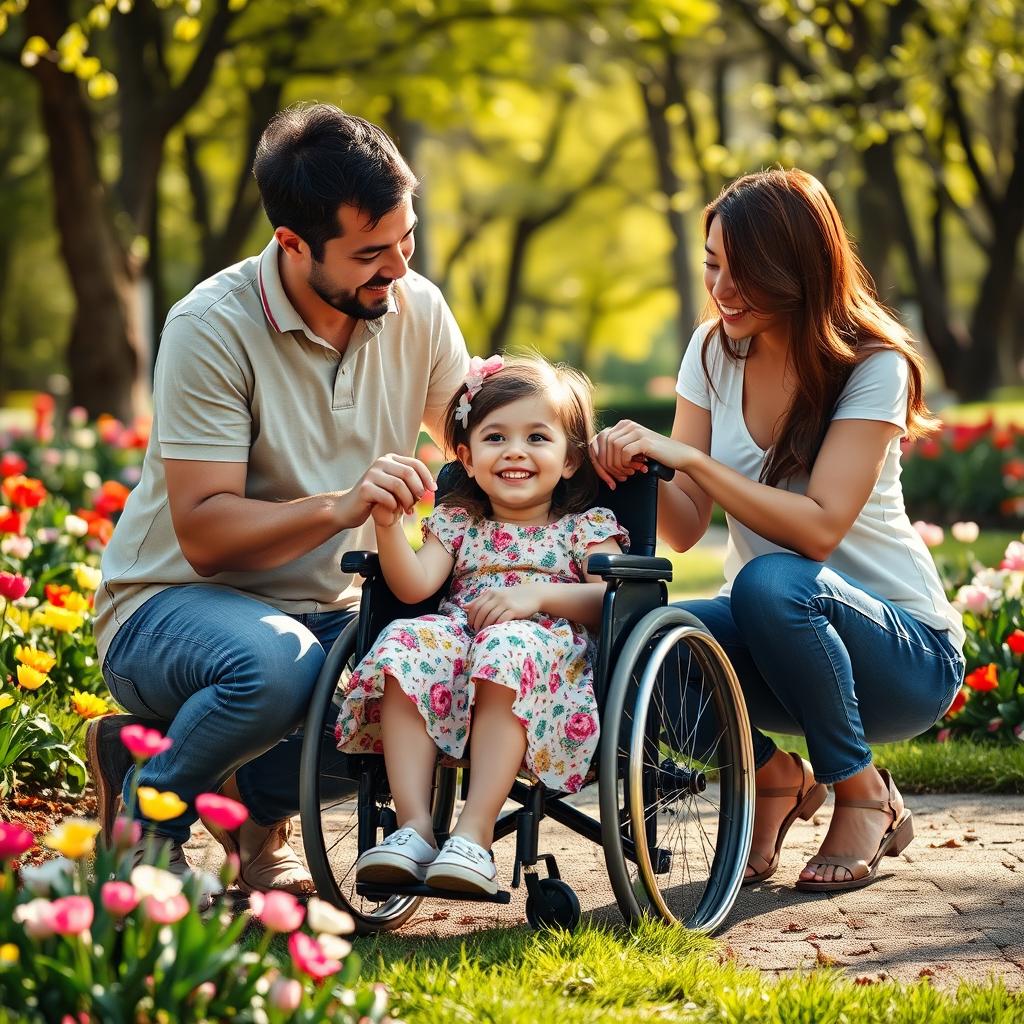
[[60, 619], [9, 954], [41, 661], [19, 618], [73, 837], [6, 700], [160, 806], [88, 705], [76, 602], [87, 577], [29, 678]]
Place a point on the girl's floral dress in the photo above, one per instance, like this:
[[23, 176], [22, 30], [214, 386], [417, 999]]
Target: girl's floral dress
[[546, 661]]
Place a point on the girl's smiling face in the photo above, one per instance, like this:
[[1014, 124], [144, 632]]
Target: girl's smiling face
[[517, 455]]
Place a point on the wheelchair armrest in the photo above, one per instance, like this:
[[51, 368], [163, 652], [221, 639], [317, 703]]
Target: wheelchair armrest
[[366, 563], [629, 567]]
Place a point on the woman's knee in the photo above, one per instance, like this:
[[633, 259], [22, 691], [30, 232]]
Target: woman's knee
[[768, 586]]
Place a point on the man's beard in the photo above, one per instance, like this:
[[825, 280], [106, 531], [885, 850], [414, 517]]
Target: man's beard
[[347, 302]]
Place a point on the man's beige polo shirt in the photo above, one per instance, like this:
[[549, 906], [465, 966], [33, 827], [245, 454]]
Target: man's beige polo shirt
[[240, 378]]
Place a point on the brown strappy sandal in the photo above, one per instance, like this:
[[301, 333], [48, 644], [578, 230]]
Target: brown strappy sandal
[[896, 839], [808, 800]]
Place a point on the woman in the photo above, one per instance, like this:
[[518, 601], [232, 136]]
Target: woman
[[790, 408]]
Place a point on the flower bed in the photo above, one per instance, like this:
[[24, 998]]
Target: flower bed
[[60, 494], [967, 473], [991, 703], [114, 940]]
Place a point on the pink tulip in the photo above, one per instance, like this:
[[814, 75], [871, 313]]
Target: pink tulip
[[278, 911], [143, 742], [285, 994], [71, 915], [119, 898], [930, 533], [310, 958], [167, 911], [14, 841], [1013, 558], [126, 833], [12, 586], [220, 810]]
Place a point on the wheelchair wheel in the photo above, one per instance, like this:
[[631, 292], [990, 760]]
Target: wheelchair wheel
[[554, 905], [676, 775], [329, 804]]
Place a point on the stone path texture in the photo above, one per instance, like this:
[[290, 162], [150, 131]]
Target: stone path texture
[[950, 908]]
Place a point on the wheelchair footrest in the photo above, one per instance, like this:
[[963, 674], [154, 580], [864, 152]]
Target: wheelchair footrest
[[383, 892]]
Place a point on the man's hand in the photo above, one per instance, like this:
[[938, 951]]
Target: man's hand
[[505, 604], [394, 483]]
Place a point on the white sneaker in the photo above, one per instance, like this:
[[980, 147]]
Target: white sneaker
[[402, 859], [464, 866]]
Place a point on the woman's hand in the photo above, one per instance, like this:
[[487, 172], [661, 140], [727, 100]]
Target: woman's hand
[[504, 604], [620, 451]]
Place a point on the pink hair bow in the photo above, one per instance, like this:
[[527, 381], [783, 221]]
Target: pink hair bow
[[479, 371]]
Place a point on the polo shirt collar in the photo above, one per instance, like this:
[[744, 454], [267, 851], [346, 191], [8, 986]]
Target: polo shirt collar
[[280, 313]]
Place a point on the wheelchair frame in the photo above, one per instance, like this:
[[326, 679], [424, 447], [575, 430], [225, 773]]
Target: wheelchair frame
[[635, 622]]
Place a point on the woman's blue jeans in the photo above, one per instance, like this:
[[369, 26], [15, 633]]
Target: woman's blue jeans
[[818, 655], [233, 678]]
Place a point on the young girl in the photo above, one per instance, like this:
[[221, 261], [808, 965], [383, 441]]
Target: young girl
[[506, 660]]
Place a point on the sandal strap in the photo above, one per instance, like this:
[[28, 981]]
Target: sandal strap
[[877, 805], [761, 857], [857, 866], [791, 790]]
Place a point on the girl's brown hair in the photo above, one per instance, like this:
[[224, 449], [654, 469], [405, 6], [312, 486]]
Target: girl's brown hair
[[789, 253], [528, 376]]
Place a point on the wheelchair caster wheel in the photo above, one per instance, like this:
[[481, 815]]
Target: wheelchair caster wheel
[[554, 905]]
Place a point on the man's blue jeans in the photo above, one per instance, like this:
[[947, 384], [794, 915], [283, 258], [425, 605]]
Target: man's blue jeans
[[233, 678], [818, 655]]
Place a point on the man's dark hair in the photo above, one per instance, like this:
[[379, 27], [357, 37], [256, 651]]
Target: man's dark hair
[[311, 159]]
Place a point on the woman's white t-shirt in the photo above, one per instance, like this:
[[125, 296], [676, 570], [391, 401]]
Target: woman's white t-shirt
[[881, 551]]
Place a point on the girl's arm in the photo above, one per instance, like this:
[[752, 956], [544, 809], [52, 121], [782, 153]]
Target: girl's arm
[[812, 524], [412, 576], [577, 602]]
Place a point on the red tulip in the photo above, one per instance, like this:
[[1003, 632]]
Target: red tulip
[[12, 586]]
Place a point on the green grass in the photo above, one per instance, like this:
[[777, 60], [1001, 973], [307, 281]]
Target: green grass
[[654, 973], [987, 549], [695, 573], [960, 766]]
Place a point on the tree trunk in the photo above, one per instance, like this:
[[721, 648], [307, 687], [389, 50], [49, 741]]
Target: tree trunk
[[408, 133], [105, 351], [994, 297], [669, 183]]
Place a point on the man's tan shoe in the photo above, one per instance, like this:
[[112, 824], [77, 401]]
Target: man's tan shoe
[[266, 861]]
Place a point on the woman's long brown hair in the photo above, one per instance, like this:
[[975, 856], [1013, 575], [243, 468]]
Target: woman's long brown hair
[[789, 253]]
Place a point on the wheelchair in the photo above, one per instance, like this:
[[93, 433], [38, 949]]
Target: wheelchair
[[675, 766]]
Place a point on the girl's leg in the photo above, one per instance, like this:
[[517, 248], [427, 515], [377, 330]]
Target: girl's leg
[[497, 743], [847, 666], [409, 756]]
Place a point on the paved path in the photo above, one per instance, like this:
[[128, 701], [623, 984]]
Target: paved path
[[951, 907]]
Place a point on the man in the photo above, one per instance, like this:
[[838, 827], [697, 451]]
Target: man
[[282, 385]]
